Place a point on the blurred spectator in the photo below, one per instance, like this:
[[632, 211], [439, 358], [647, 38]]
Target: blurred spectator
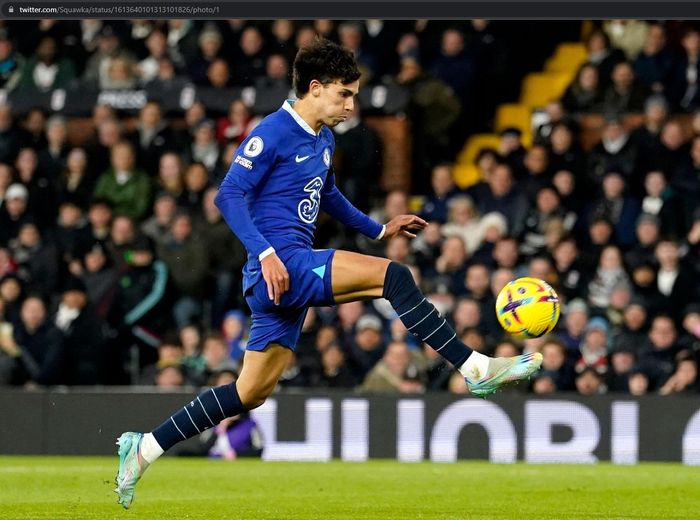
[[335, 373], [234, 330], [75, 183], [34, 129], [99, 150], [250, 63], [157, 227], [657, 358], [686, 181], [126, 187], [238, 123], [10, 136], [647, 136], [498, 194], [615, 152], [633, 329], [170, 175], [157, 45], [683, 90], [622, 362], [589, 382], [71, 233], [46, 69], [99, 277], [675, 281], [42, 189], [556, 364], [350, 36], [367, 346], [11, 62], [602, 55], [182, 41], [609, 275], [638, 382], [188, 263], [226, 256], [209, 50], [654, 65], [169, 377], [196, 182], [594, 347], [357, 159], [511, 149], [37, 345], [433, 108], [626, 93], [400, 370], [685, 378], [101, 62], [13, 213], [564, 152], [37, 260], [204, 147], [617, 207], [661, 201], [152, 137], [52, 160], [462, 221], [84, 336], [628, 35], [572, 277], [584, 94]]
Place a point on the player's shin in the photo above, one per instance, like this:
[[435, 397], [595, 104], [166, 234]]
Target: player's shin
[[423, 320], [205, 411]]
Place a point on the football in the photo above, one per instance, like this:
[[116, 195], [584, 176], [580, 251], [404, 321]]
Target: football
[[527, 308]]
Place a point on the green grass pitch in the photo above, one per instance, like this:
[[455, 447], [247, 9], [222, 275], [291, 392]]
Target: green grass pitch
[[174, 489]]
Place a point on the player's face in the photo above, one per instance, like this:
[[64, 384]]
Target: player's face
[[337, 101]]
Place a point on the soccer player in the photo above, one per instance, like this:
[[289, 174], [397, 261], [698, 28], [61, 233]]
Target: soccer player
[[279, 180]]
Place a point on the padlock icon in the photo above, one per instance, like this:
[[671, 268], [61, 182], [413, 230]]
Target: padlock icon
[[11, 9]]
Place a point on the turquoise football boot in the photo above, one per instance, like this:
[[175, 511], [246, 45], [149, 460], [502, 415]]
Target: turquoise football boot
[[503, 372], [131, 466]]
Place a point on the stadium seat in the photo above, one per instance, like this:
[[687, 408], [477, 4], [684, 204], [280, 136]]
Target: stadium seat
[[465, 172], [465, 175], [515, 115], [539, 88], [568, 57]]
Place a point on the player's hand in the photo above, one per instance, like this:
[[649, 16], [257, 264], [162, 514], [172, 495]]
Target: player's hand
[[404, 225], [276, 277]]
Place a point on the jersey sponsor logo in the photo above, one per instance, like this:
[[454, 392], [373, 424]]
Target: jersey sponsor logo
[[308, 208], [254, 147], [327, 157], [246, 163], [301, 159]]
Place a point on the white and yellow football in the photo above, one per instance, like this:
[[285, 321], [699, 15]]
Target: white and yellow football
[[527, 308]]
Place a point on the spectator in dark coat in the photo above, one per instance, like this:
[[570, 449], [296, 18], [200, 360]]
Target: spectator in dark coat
[[151, 138], [444, 190], [683, 90], [39, 346], [499, 194], [658, 356], [616, 207], [616, 151], [626, 94], [84, 336], [13, 213], [583, 95], [37, 260], [654, 65]]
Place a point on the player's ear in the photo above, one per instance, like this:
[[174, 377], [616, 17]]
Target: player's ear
[[315, 87]]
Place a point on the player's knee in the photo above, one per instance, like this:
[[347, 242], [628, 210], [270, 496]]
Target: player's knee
[[398, 277], [255, 396]]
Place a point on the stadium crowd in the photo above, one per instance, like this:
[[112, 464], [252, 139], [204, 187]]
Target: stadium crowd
[[117, 268]]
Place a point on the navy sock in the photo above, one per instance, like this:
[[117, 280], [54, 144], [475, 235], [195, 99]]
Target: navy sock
[[206, 411], [420, 317]]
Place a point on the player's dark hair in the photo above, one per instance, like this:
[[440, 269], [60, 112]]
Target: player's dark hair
[[325, 62]]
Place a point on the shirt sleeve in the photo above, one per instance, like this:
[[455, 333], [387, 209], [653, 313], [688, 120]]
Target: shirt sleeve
[[251, 165], [340, 208]]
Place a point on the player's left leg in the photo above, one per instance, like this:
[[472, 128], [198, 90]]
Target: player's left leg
[[361, 277], [258, 378]]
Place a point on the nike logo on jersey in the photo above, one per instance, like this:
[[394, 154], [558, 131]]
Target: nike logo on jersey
[[301, 159]]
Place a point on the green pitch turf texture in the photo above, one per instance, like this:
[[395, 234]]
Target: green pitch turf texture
[[176, 489]]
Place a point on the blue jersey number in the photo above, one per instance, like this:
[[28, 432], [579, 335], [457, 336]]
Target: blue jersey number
[[308, 208]]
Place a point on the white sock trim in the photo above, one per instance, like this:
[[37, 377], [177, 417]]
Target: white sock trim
[[150, 449], [475, 367]]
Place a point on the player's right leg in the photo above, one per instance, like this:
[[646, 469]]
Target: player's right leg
[[258, 378], [360, 277]]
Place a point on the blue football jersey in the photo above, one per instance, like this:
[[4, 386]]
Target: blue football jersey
[[282, 171]]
